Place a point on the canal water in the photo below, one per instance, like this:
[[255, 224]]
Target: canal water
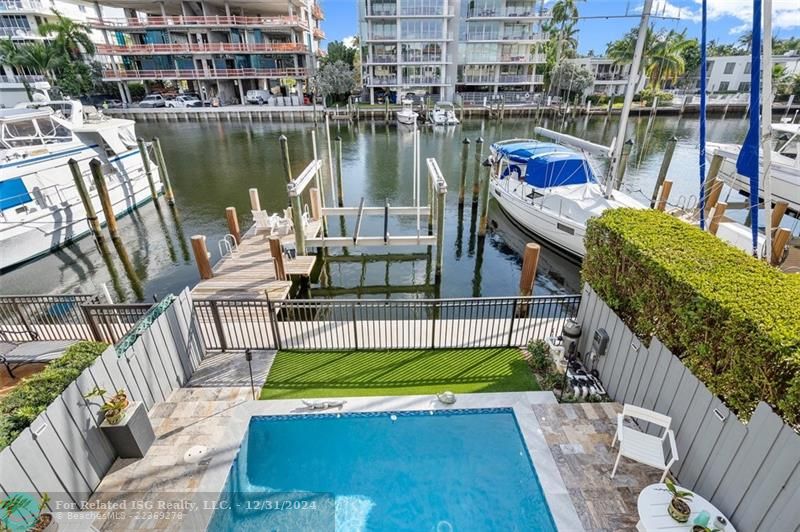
[[212, 166]]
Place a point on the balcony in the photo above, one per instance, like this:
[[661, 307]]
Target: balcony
[[515, 78], [422, 80], [479, 36], [508, 12], [23, 6], [382, 37], [376, 81], [391, 59], [230, 73], [506, 58], [22, 78], [380, 11], [426, 58], [180, 21], [200, 48], [317, 13], [19, 33], [423, 36], [609, 76], [318, 34]]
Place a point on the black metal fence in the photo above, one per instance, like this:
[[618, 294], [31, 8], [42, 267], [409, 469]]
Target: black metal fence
[[110, 323], [381, 324], [65, 317]]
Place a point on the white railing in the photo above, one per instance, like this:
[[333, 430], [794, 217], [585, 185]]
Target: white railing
[[22, 5]]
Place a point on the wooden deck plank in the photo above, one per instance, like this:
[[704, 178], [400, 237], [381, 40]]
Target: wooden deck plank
[[249, 273]]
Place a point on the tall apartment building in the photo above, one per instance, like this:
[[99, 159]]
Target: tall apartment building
[[217, 48], [20, 21], [440, 47]]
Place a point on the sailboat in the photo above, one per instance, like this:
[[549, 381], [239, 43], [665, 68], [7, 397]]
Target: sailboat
[[552, 190]]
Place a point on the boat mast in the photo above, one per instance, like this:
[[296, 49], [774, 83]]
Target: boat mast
[[766, 124], [633, 80]]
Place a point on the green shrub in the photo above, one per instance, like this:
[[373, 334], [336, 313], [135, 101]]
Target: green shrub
[[34, 394], [733, 320], [647, 95], [539, 360]]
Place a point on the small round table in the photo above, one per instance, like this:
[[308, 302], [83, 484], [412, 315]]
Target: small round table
[[652, 507]]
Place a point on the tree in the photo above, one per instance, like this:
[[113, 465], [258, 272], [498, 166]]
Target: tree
[[339, 51], [745, 42], [334, 80], [666, 54], [562, 41], [715, 49], [571, 79], [42, 57], [70, 36]]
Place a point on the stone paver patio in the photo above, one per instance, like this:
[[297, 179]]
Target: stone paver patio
[[203, 414]]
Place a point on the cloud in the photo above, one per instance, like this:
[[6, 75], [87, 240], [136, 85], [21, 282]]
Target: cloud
[[350, 41], [785, 13]]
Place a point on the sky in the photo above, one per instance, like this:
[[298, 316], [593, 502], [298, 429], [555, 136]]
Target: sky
[[728, 19]]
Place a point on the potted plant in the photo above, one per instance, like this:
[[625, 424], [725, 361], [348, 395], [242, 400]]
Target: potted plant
[[17, 512], [113, 407], [678, 507]]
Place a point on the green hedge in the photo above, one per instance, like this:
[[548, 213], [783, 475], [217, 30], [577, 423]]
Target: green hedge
[[34, 394], [734, 320]]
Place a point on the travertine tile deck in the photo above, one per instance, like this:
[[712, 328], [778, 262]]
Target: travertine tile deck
[[209, 411], [579, 437]]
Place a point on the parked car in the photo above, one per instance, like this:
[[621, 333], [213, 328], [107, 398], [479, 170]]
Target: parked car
[[257, 97], [153, 100], [112, 104], [184, 101]]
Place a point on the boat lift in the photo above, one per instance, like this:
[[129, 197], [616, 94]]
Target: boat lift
[[434, 211]]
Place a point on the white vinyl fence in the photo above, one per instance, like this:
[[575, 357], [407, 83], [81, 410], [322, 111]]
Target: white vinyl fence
[[751, 472], [64, 453]]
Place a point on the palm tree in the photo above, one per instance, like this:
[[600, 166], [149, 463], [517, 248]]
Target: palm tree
[[70, 36], [562, 31], [41, 57], [746, 41], [665, 59]]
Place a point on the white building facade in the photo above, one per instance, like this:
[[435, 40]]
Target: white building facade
[[731, 73], [20, 21], [439, 48], [610, 79]]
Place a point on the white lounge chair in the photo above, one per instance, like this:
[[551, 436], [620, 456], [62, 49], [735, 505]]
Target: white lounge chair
[[14, 355], [266, 222], [642, 447]]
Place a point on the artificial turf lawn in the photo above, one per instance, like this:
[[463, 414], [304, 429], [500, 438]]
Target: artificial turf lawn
[[303, 374]]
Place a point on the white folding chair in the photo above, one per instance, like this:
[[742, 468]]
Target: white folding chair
[[642, 447], [265, 222]]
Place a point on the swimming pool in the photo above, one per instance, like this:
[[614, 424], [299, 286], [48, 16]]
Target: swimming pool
[[431, 470]]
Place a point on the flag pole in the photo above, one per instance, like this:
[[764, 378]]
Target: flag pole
[[766, 125]]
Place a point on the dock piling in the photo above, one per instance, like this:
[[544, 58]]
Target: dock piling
[[287, 166], [105, 200], [339, 183], [441, 192], [148, 172], [255, 201], [276, 251], [666, 188], [662, 171], [91, 214], [463, 182], [719, 212], [201, 257], [484, 205], [530, 262], [782, 236], [777, 213], [316, 203], [162, 169], [233, 224], [623, 163], [476, 176]]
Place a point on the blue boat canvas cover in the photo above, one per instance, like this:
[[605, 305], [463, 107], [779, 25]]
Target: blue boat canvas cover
[[547, 164]]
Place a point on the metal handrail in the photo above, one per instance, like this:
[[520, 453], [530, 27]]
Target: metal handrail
[[209, 47]]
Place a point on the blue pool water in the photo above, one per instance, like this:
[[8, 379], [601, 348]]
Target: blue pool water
[[454, 470]]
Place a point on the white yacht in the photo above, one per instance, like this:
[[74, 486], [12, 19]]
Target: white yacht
[[406, 114], [550, 189], [40, 209], [443, 114], [784, 168]]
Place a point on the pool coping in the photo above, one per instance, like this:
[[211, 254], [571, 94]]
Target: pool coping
[[558, 500]]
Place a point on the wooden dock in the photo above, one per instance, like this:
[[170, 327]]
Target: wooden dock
[[249, 271]]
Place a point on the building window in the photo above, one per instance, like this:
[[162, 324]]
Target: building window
[[723, 86], [421, 29], [744, 86], [747, 68], [82, 8], [729, 68]]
